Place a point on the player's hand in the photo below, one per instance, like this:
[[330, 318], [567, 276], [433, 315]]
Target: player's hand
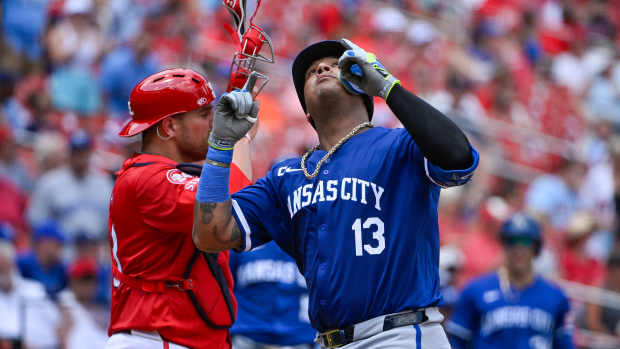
[[235, 114], [361, 72]]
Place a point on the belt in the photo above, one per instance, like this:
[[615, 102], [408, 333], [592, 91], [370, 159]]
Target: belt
[[150, 335], [340, 337], [153, 286]]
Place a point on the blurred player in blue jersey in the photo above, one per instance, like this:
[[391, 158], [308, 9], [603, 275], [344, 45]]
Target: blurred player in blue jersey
[[513, 307], [358, 212], [272, 301]]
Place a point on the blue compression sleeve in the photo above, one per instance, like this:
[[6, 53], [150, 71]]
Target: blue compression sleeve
[[213, 184]]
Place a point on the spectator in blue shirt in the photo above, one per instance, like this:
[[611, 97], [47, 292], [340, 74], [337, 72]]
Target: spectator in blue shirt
[[44, 262], [555, 197], [22, 25], [11, 110], [7, 233], [123, 68]]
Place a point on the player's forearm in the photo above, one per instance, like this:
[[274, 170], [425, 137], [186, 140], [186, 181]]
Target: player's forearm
[[439, 138], [214, 224], [215, 228]]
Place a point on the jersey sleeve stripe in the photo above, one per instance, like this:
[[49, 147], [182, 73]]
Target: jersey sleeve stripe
[[450, 178], [244, 225], [428, 175], [458, 330]]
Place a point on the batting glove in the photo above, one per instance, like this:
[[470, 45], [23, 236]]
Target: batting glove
[[235, 114], [361, 72]]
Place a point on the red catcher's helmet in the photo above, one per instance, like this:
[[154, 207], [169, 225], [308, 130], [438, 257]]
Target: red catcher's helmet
[[164, 94]]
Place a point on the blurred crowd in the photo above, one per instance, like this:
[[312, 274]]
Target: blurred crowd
[[535, 84]]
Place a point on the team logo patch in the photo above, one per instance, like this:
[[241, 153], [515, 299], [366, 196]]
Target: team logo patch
[[177, 176], [192, 184], [202, 101], [211, 90]]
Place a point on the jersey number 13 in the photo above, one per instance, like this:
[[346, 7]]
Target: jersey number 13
[[376, 235]]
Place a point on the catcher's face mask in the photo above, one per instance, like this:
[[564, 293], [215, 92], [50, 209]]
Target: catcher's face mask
[[244, 61], [252, 40]]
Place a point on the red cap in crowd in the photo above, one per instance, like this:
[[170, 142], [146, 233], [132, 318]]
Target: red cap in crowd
[[83, 268]]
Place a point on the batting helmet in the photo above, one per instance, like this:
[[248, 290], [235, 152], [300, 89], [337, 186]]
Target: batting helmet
[[303, 61], [522, 225], [164, 94]]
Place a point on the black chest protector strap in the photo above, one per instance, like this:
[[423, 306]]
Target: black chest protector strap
[[218, 275]]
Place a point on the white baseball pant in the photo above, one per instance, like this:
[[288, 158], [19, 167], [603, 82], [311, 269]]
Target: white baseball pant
[[427, 335], [139, 340]]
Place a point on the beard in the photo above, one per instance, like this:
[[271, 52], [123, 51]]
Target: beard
[[193, 150]]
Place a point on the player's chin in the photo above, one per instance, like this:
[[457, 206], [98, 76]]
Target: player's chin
[[328, 88], [198, 156], [202, 151], [196, 152], [523, 263]]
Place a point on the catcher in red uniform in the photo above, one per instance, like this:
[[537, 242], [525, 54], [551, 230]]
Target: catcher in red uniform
[[166, 293]]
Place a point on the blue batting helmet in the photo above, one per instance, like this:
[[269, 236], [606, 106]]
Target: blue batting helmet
[[521, 225]]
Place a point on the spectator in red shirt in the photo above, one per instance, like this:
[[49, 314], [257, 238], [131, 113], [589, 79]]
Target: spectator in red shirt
[[604, 318], [576, 265]]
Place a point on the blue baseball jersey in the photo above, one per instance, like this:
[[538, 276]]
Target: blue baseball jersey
[[272, 297], [363, 231], [530, 318]]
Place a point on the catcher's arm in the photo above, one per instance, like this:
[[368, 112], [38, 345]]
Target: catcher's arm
[[214, 227]]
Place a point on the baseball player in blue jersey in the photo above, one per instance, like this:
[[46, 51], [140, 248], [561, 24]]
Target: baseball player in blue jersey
[[513, 307], [272, 301], [358, 212]]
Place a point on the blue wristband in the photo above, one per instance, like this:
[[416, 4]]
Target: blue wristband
[[213, 184], [223, 156]]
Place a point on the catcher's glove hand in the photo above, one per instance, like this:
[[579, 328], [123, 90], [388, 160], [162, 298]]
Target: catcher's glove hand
[[235, 114]]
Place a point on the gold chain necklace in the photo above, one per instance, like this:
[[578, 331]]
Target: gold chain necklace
[[331, 151]]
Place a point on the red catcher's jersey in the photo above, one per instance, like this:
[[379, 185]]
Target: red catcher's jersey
[[150, 230]]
